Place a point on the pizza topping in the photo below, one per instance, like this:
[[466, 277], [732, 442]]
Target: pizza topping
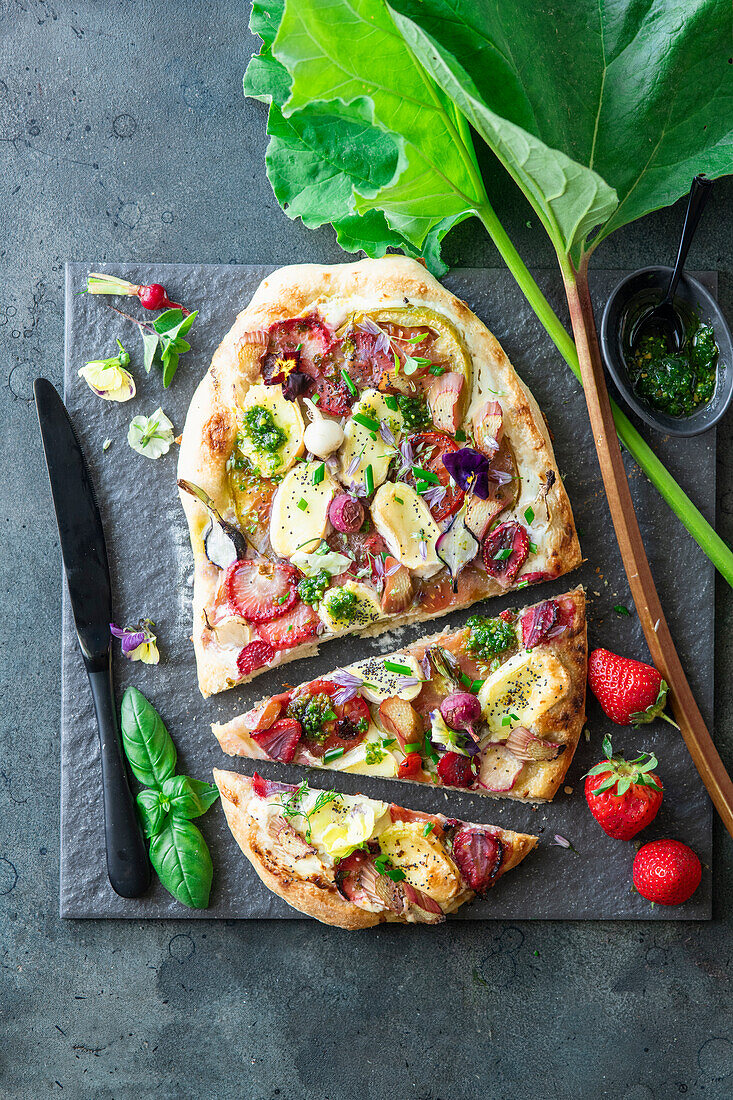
[[313, 712], [311, 589], [352, 604], [271, 434], [428, 473], [261, 717], [470, 470], [478, 855], [456, 547], [260, 590], [427, 867], [263, 788], [499, 769], [480, 515], [364, 447], [488, 426], [489, 637], [398, 591], [323, 437], [379, 679], [346, 513], [223, 542], [299, 517], [406, 525], [445, 399], [461, 710], [505, 551], [538, 622], [455, 770], [528, 748], [292, 629], [400, 719], [256, 655], [521, 690], [281, 739]]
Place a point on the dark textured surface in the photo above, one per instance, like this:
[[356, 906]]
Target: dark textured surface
[[152, 567], [124, 134]]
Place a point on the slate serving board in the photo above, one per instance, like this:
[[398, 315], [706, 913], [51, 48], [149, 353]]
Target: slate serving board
[[152, 574]]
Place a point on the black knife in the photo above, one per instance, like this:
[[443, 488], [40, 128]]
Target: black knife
[[87, 573]]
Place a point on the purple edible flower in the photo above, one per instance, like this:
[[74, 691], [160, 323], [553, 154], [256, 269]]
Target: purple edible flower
[[130, 637], [349, 686], [470, 470], [138, 642], [407, 458], [434, 495], [386, 433]]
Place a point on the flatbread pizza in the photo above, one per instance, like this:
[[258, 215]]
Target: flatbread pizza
[[360, 455], [495, 708], [356, 862]]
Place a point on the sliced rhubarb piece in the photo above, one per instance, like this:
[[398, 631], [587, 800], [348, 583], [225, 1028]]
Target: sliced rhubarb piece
[[528, 748], [537, 622], [263, 788], [429, 912], [255, 655], [294, 628], [281, 740], [499, 769], [478, 855], [480, 514], [505, 552], [488, 427], [455, 770], [445, 400], [400, 718], [398, 591], [261, 590]]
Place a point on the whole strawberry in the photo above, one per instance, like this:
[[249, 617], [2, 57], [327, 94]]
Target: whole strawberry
[[666, 872], [630, 692], [624, 796]]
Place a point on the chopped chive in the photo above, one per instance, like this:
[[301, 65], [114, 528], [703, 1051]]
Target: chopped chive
[[393, 666], [426, 475], [282, 599], [503, 554], [620, 609], [316, 398], [437, 371], [391, 402], [395, 874], [460, 436], [369, 479], [396, 361], [303, 504], [349, 382], [399, 500], [429, 826], [332, 754], [476, 686], [319, 473], [533, 547], [506, 720], [529, 514], [387, 741], [414, 746], [366, 421], [523, 584]]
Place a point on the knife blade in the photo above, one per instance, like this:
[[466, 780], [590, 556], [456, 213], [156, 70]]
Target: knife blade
[[84, 554]]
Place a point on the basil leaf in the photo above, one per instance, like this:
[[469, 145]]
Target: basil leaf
[[169, 361], [153, 811], [150, 348], [147, 743], [182, 862], [189, 797]]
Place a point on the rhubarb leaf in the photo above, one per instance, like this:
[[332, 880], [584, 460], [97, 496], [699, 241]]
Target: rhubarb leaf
[[640, 92]]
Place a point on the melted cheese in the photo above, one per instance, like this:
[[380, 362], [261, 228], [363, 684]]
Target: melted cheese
[[424, 860], [522, 689]]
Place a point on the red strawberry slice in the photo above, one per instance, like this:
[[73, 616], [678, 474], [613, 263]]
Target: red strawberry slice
[[505, 551], [255, 655], [538, 577], [537, 622], [281, 740], [260, 590], [294, 628], [455, 770], [478, 855]]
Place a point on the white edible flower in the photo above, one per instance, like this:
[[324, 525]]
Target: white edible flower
[[151, 435], [108, 377]]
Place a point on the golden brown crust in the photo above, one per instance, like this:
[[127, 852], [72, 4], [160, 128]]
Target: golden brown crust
[[210, 428], [316, 894], [561, 724]]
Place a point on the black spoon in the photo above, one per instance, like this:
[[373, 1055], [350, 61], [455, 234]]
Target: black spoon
[[663, 319]]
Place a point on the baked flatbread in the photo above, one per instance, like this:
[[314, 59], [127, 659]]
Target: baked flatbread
[[355, 862], [495, 708], [360, 455]]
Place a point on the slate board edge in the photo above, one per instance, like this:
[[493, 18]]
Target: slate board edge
[[175, 911]]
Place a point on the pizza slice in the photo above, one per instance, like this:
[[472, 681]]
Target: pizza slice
[[360, 455], [495, 708], [355, 862]]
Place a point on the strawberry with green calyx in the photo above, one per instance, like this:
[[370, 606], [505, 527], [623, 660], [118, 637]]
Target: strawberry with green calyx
[[630, 692], [666, 872], [624, 796]]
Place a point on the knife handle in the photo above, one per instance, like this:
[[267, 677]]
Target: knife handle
[[128, 866]]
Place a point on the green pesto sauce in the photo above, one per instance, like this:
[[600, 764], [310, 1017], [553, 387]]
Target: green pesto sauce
[[679, 383], [265, 435], [342, 605]]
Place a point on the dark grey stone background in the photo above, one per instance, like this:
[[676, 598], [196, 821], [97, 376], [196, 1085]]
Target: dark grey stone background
[[124, 135], [152, 565]]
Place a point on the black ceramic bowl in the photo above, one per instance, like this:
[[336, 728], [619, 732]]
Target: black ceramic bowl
[[647, 287]]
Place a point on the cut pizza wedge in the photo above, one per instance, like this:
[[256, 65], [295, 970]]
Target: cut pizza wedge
[[360, 455], [495, 708], [355, 862]]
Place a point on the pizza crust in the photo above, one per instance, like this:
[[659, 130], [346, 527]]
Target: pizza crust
[[561, 723], [335, 291], [317, 895]]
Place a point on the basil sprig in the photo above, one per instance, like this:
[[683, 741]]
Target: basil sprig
[[178, 852], [163, 341]]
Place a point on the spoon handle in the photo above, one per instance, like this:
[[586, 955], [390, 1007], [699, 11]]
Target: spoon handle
[[699, 195]]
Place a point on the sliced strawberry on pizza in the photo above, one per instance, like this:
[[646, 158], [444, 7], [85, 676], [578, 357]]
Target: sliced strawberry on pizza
[[360, 455], [495, 708], [355, 862]]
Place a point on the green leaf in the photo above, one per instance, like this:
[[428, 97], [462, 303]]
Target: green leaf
[[569, 199], [623, 785], [148, 746], [607, 747], [189, 797], [169, 361], [150, 347], [640, 93], [182, 862], [153, 811]]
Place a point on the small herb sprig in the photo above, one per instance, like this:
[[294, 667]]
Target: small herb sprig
[[163, 339], [292, 806], [178, 852]]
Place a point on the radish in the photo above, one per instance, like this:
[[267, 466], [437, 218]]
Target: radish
[[152, 295]]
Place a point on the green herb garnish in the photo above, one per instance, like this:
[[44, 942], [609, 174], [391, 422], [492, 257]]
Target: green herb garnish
[[529, 514], [366, 421], [369, 480], [620, 609], [349, 382], [429, 826], [292, 806], [319, 473], [303, 504]]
